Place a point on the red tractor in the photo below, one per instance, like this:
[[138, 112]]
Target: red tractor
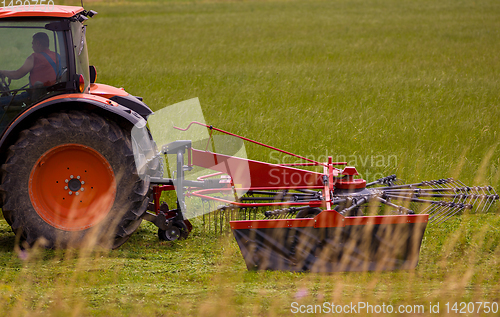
[[66, 149]]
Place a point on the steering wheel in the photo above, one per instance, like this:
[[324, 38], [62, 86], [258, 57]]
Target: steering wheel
[[4, 86]]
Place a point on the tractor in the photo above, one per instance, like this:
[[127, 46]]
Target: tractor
[[66, 151]]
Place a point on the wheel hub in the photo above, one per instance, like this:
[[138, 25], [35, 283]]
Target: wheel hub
[[72, 187], [74, 184], [173, 233]]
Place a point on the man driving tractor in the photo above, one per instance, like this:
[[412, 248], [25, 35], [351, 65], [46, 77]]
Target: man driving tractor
[[43, 65]]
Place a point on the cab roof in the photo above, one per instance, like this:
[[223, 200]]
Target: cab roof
[[58, 11]]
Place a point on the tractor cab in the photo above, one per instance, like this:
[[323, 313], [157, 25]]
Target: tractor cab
[[43, 54]]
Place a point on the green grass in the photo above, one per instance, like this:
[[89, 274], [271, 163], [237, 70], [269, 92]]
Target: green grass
[[205, 275], [414, 80]]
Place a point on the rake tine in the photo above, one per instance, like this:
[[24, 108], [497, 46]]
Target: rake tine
[[448, 211], [473, 195], [440, 222], [488, 203], [461, 206], [437, 216], [481, 196], [443, 219], [453, 181], [484, 198], [491, 202], [494, 196], [444, 208], [437, 211], [472, 199], [457, 189], [492, 191], [484, 204], [462, 184], [429, 206], [489, 198], [467, 188]]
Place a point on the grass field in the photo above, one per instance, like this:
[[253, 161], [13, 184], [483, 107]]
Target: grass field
[[395, 87]]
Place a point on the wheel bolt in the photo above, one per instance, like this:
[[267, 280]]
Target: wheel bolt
[[65, 187], [70, 176], [66, 180], [78, 177], [70, 192], [83, 182], [77, 193], [82, 189]]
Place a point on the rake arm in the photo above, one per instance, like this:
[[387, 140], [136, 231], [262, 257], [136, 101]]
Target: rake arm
[[402, 210], [440, 199]]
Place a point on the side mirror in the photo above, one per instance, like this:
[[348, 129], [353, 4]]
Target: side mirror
[[93, 74]]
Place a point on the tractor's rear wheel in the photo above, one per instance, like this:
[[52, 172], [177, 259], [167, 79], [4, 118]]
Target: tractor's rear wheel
[[71, 180]]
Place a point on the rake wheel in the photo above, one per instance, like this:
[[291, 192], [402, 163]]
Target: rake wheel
[[178, 231]]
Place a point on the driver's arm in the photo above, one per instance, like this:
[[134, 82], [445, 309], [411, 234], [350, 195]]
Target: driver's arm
[[21, 72]]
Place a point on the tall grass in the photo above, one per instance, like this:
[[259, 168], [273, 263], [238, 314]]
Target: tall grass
[[356, 79]]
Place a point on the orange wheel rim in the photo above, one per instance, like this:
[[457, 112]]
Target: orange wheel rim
[[72, 187]]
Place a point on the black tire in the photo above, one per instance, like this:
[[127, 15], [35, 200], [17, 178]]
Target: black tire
[[308, 213], [179, 231], [114, 217]]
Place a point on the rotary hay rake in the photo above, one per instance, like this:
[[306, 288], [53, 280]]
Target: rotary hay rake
[[311, 221]]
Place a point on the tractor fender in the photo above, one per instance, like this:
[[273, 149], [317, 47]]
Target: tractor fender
[[110, 109], [122, 97]]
